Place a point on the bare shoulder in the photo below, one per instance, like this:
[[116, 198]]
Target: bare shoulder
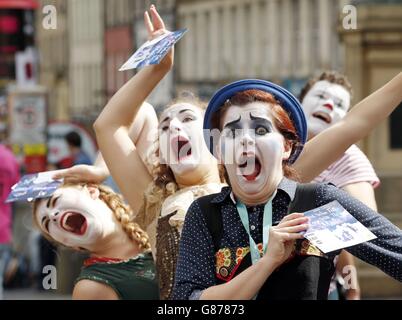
[[92, 290]]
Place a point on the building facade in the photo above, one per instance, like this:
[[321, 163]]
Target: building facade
[[86, 54], [373, 55], [53, 48], [285, 41]]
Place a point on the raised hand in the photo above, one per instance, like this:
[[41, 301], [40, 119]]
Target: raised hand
[[156, 27], [82, 173]]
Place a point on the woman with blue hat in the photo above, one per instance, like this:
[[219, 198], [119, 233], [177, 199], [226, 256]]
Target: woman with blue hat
[[246, 241], [182, 168]]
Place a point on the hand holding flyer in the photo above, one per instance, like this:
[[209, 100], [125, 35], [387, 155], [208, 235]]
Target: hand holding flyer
[[153, 51], [34, 186], [333, 228]]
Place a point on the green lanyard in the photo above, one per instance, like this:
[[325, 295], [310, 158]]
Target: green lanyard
[[267, 223]]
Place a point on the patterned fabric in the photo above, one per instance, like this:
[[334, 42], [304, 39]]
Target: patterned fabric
[[306, 248], [228, 260], [163, 223], [133, 279], [181, 200], [352, 167], [167, 250], [196, 267]]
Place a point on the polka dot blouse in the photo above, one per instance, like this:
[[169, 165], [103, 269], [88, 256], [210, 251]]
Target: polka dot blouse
[[196, 263]]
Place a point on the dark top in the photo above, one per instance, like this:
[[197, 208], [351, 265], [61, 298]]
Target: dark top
[[133, 279], [198, 267]]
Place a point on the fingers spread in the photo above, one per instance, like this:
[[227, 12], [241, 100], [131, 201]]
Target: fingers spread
[[148, 23], [156, 19]]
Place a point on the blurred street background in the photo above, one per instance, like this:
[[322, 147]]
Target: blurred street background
[[59, 62]]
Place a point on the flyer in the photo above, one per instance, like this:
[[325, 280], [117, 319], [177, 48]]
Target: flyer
[[153, 51], [331, 228], [34, 186]]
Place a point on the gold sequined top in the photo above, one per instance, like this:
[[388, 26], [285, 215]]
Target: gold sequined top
[[163, 222]]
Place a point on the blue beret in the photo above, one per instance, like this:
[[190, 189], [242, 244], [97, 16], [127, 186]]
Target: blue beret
[[284, 97]]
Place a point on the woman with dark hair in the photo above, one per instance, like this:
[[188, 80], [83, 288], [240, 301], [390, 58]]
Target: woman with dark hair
[[246, 241]]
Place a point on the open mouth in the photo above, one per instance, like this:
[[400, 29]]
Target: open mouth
[[74, 222], [181, 147], [250, 167], [322, 116]]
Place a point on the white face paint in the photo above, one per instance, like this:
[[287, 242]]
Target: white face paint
[[324, 105], [181, 141], [252, 150], [76, 217]]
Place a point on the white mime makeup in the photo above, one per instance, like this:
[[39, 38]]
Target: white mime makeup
[[324, 105], [252, 150], [75, 217], [181, 142]]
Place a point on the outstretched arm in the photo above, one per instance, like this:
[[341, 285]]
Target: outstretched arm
[[140, 132], [111, 127], [384, 252], [328, 146]]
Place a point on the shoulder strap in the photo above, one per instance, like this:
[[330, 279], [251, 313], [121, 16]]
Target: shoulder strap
[[213, 218], [304, 199]]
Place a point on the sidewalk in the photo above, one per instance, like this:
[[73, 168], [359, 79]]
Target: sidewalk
[[33, 294]]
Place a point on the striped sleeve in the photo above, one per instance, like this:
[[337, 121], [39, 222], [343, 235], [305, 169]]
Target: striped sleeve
[[352, 167]]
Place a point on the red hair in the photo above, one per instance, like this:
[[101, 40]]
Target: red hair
[[281, 120]]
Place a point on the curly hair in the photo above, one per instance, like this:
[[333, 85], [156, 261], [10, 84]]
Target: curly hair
[[121, 211], [331, 76], [164, 184]]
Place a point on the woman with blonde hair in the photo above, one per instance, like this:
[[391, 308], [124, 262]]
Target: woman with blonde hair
[[93, 218]]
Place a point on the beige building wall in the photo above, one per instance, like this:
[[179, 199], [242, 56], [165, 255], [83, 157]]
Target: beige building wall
[[273, 39], [86, 51], [119, 12], [373, 56], [54, 59]]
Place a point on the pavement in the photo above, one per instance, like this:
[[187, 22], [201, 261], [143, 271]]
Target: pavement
[[34, 294]]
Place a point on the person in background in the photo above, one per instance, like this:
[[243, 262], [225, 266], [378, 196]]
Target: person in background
[[326, 99], [74, 142], [9, 175]]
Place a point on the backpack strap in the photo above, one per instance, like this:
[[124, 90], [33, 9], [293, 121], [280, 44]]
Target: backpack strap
[[304, 199], [213, 218]]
